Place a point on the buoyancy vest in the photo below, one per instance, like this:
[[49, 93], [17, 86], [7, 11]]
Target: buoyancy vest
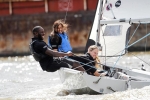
[[36, 56], [65, 44]]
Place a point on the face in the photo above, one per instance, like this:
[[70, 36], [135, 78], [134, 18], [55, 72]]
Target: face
[[59, 29], [41, 34], [94, 53]]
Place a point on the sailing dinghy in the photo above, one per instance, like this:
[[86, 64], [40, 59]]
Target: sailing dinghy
[[110, 32]]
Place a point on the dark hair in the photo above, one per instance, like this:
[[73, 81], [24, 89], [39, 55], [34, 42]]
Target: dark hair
[[36, 29]]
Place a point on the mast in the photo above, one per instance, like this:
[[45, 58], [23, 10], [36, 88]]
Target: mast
[[98, 26]]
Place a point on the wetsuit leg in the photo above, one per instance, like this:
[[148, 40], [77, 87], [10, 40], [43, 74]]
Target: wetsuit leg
[[55, 65], [75, 65], [63, 62]]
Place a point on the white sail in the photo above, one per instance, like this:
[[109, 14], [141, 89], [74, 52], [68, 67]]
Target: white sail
[[113, 39], [112, 21], [127, 9]]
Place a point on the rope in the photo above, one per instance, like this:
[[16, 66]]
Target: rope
[[146, 39], [128, 41], [127, 46], [111, 9], [67, 11], [141, 59], [134, 33], [83, 63]]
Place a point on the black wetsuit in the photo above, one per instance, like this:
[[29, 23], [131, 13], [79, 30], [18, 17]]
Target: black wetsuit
[[48, 63], [86, 61]]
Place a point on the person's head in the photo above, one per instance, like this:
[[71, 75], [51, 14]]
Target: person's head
[[38, 32], [59, 26], [93, 51]]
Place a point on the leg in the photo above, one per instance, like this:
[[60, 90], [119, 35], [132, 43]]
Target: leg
[[74, 64], [55, 65]]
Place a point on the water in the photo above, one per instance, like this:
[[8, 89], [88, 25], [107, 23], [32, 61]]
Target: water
[[22, 78]]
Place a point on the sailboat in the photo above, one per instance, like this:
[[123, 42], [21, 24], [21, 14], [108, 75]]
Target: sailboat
[[110, 32]]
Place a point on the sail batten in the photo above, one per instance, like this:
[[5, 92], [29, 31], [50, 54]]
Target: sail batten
[[115, 21]]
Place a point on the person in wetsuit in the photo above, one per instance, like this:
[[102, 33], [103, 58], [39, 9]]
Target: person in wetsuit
[[58, 38], [46, 56], [90, 61]]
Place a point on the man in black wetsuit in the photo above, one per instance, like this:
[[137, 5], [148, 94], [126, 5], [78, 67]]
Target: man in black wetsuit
[[49, 59]]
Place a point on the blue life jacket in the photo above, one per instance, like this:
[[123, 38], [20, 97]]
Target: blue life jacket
[[65, 44]]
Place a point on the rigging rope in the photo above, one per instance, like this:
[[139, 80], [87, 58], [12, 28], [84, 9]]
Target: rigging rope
[[90, 61], [109, 6], [133, 33], [146, 38], [83, 63], [127, 46], [103, 32], [141, 59], [67, 11]]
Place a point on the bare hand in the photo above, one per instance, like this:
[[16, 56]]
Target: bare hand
[[69, 54]]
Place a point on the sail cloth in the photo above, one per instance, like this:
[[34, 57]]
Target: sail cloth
[[127, 9], [113, 37]]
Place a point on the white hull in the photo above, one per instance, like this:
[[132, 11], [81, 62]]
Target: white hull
[[76, 80], [105, 84]]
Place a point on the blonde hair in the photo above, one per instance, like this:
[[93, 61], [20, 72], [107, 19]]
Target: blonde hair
[[92, 47], [97, 60]]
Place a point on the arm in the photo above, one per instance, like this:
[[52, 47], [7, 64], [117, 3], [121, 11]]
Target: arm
[[56, 54], [42, 47], [96, 73]]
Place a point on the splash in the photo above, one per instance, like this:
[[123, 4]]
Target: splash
[[74, 81], [134, 94]]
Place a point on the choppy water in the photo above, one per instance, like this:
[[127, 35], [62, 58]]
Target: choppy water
[[22, 78]]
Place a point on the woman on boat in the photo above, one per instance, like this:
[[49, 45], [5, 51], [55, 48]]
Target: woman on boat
[[92, 54], [58, 38], [90, 59]]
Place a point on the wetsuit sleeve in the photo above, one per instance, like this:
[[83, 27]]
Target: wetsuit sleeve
[[85, 62], [40, 47]]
